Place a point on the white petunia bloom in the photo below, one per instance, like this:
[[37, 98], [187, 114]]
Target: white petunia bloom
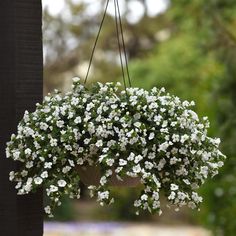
[[44, 175], [16, 155], [122, 162], [47, 210], [99, 143], [53, 142], [174, 187], [137, 169], [28, 151], [151, 136], [38, 180], [53, 188], [138, 159], [61, 183], [43, 126], [60, 123], [76, 79], [110, 162], [78, 120], [48, 165]]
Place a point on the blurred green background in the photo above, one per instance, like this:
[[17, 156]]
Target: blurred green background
[[189, 47]]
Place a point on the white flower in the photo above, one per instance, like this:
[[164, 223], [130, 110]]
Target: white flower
[[186, 181], [16, 155], [78, 120], [53, 188], [47, 165], [184, 138], [27, 187], [99, 143], [122, 162], [174, 187], [71, 162], [204, 171], [148, 165], [137, 203], [156, 196], [110, 162], [137, 124], [103, 180], [173, 160], [137, 169], [118, 169], [28, 151], [53, 142], [19, 184], [151, 155], [138, 159], [172, 196], [76, 79], [66, 169], [60, 123], [196, 197], [87, 140], [80, 150], [161, 164], [103, 195], [44, 175], [43, 126], [163, 147], [80, 161], [29, 164], [47, 210], [192, 205], [74, 101], [175, 138], [131, 157], [144, 197], [38, 180], [151, 136], [11, 175], [61, 183]]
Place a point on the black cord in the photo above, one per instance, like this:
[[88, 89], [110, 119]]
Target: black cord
[[123, 42], [118, 25], [119, 44], [95, 44]]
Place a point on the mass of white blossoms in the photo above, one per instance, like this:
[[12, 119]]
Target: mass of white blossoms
[[151, 135]]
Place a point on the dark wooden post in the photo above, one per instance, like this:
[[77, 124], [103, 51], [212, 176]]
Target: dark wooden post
[[21, 76]]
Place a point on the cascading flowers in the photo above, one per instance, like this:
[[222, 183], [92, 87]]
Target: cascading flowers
[[147, 134]]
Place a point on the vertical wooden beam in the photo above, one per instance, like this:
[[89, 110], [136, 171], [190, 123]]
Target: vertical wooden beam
[[21, 84]]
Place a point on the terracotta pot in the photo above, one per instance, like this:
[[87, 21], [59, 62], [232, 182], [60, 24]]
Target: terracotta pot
[[90, 175]]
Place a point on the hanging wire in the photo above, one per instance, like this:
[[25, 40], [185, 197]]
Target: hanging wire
[[119, 45], [123, 42], [96, 41]]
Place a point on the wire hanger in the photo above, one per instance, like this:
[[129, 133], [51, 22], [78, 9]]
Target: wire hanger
[[120, 40]]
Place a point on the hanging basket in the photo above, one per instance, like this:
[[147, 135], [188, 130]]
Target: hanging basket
[[91, 175], [131, 132]]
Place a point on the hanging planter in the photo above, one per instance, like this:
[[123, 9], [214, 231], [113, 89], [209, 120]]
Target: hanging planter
[[106, 136], [111, 137]]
